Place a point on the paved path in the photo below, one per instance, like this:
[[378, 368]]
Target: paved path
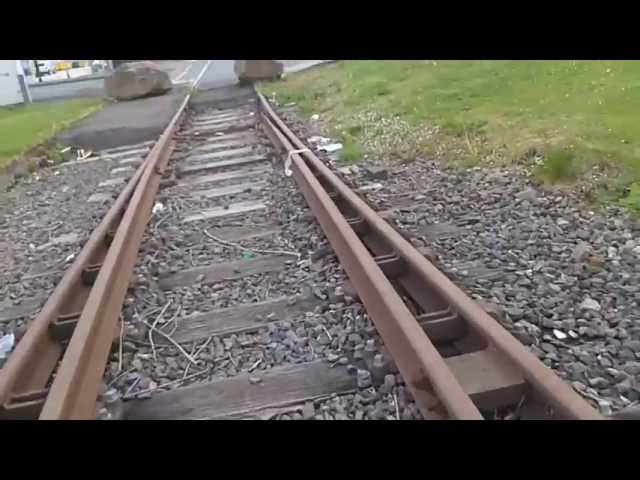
[[136, 121], [141, 120]]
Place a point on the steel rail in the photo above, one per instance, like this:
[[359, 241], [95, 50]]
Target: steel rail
[[420, 364], [75, 389], [24, 376], [544, 382]]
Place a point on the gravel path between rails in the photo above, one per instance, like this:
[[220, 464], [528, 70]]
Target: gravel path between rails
[[566, 276]]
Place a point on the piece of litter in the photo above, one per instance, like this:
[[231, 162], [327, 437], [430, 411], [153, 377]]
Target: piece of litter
[[81, 154], [219, 134], [318, 139], [157, 208], [84, 155], [6, 345], [70, 257], [65, 150], [559, 334], [56, 172], [287, 162], [334, 147], [247, 255], [371, 186], [315, 117]]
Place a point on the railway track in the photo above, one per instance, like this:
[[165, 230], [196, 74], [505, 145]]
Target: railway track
[[208, 291]]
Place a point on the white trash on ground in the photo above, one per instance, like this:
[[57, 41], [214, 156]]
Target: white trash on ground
[[6, 345], [318, 139], [334, 147], [157, 208]]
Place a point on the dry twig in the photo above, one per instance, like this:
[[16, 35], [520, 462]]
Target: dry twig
[[195, 355], [120, 344], [240, 247], [153, 327], [176, 344], [395, 403]]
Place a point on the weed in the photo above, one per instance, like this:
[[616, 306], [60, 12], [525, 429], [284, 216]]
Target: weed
[[351, 152], [559, 166], [632, 199]]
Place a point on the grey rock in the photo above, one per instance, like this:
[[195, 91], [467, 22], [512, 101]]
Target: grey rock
[[515, 313], [363, 379], [376, 173], [548, 348], [529, 194], [633, 345], [308, 411], [590, 304], [254, 70], [581, 251], [631, 367], [598, 382], [389, 384], [135, 80]]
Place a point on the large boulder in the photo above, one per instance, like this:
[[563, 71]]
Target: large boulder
[[136, 80], [256, 70]]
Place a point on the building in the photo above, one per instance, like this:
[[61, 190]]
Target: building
[[13, 88]]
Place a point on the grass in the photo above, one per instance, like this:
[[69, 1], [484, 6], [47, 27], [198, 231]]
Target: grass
[[24, 127], [351, 152], [575, 114], [559, 166], [632, 198]]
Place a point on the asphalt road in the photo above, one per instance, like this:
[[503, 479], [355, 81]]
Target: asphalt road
[[180, 71], [125, 123]]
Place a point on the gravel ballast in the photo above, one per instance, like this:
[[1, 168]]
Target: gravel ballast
[[564, 274]]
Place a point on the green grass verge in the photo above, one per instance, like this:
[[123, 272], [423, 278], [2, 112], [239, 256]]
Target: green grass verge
[[576, 114], [24, 127]]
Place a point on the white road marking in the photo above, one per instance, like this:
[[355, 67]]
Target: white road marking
[[179, 77], [204, 69]]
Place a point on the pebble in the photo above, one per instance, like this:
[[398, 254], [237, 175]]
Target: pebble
[[363, 378], [590, 304], [559, 334], [332, 357], [308, 411]]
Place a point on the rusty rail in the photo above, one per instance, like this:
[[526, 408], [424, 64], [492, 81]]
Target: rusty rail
[[84, 308], [441, 311]]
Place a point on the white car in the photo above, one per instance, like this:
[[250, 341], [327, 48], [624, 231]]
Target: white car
[[44, 66], [98, 66]]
